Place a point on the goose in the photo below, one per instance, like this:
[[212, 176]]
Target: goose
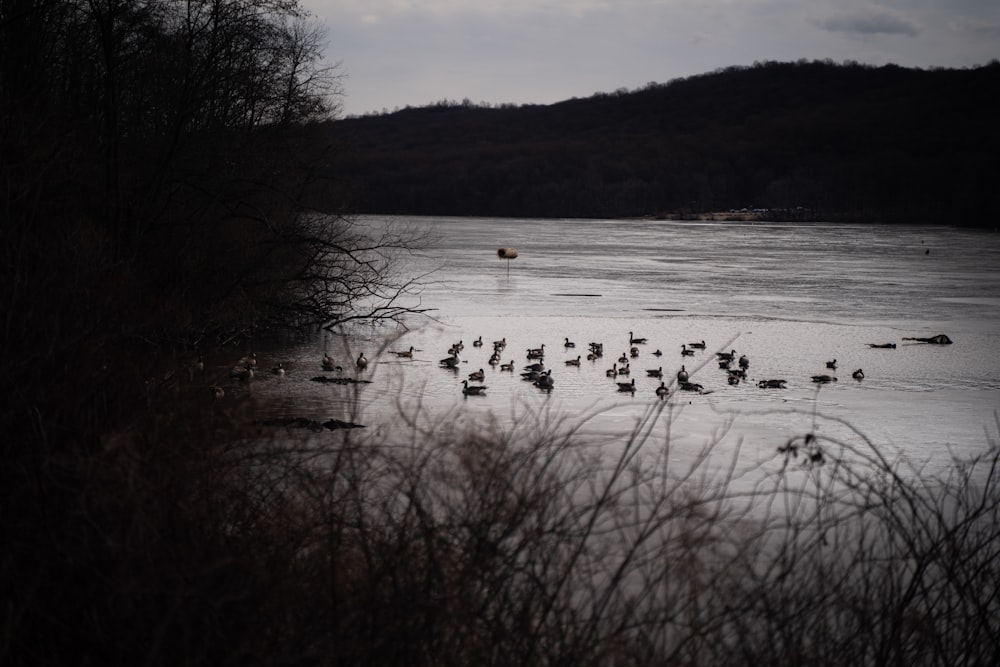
[[450, 362], [538, 366], [249, 360], [478, 342], [361, 363], [634, 352], [328, 363], [242, 373], [573, 362], [508, 367], [635, 341], [744, 362], [279, 369], [733, 380], [662, 390], [545, 381], [536, 352], [832, 364], [593, 356], [858, 374], [685, 352], [406, 354], [456, 348], [569, 343], [658, 353], [500, 344], [624, 370], [623, 359], [823, 379], [597, 348], [494, 359], [682, 375], [697, 346], [612, 372], [726, 356], [218, 393], [887, 346], [692, 386], [474, 390], [655, 373], [771, 384], [627, 386], [477, 376]]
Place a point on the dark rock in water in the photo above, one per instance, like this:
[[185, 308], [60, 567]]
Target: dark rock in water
[[310, 424], [330, 380]]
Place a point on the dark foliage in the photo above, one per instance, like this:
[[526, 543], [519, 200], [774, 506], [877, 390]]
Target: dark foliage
[[812, 140]]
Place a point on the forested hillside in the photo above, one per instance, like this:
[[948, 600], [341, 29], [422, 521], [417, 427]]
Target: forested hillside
[[810, 140]]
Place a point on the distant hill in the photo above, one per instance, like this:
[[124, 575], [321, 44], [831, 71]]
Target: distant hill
[[804, 140]]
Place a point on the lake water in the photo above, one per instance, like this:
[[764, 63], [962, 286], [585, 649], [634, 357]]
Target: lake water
[[788, 296]]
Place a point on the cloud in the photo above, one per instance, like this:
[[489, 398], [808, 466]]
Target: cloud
[[871, 21]]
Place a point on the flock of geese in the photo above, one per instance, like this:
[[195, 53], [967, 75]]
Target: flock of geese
[[537, 373]]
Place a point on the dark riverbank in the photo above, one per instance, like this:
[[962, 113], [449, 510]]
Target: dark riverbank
[[815, 140]]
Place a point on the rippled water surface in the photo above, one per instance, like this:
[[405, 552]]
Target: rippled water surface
[[788, 296]]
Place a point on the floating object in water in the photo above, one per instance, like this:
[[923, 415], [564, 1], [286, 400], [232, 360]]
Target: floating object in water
[[858, 374], [940, 339], [772, 384], [627, 386], [632, 340]]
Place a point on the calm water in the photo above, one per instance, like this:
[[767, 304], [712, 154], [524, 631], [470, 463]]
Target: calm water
[[789, 296]]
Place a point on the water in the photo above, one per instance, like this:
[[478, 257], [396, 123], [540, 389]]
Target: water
[[789, 296]]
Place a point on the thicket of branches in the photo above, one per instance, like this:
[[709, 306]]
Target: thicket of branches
[[440, 544], [160, 185]]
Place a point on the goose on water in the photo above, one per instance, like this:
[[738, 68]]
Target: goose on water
[[832, 364], [744, 362], [494, 359], [501, 344], [612, 372], [634, 352], [685, 352], [279, 369], [545, 381], [478, 342], [362, 362], [508, 367], [569, 343], [473, 390], [662, 390], [682, 375], [823, 379], [450, 362], [405, 354], [477, 376], [726, 356], [697, 346], [624, 370], [627, 386], [573, 362], [635, 341], [771, 384], [658, 353], [655, 373], [623, 359], [858, 374], [328, 363]]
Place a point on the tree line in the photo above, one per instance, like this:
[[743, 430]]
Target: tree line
[[807, 139]]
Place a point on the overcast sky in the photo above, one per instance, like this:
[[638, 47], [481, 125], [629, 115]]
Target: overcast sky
[[396, 53]]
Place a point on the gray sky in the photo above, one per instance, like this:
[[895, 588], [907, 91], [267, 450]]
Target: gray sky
[[396, 53]]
